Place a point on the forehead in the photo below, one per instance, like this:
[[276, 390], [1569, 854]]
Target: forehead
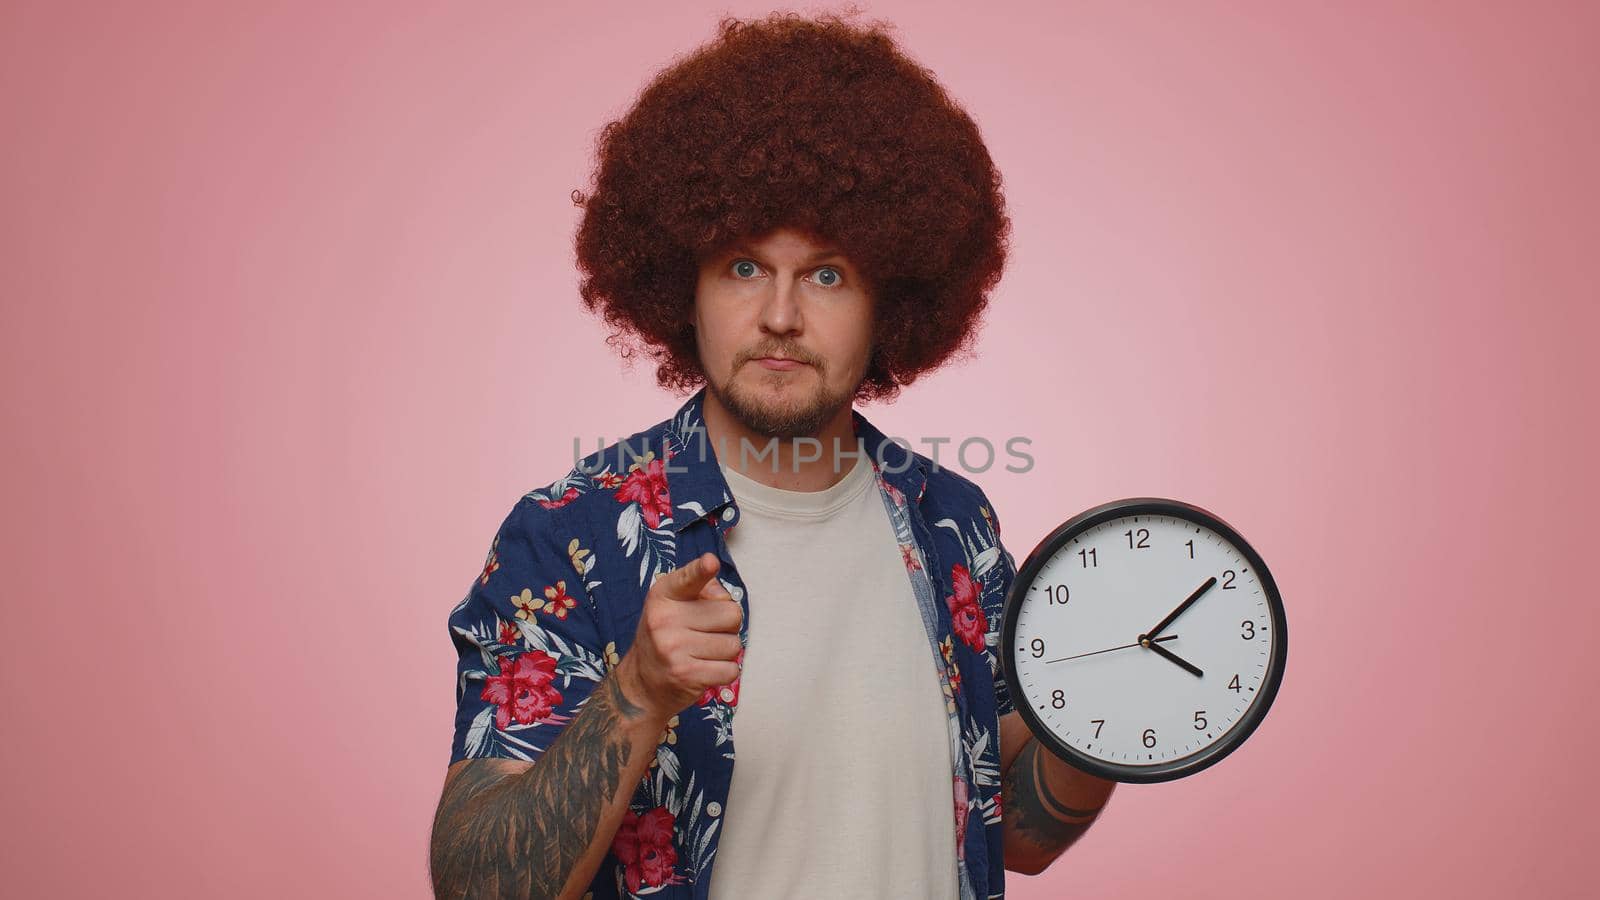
[[785, 245]]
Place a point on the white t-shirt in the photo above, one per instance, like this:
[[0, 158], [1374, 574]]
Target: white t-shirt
[[842, 778]]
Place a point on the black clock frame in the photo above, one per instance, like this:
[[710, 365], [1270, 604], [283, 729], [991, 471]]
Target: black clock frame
[[1179, 768]]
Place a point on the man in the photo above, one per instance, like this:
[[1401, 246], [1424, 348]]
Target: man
[[792, 219]]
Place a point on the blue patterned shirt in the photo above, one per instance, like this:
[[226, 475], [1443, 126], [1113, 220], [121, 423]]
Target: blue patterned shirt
[[560, 596]]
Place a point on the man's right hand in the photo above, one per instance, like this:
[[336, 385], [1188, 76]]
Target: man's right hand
[[687, 640]]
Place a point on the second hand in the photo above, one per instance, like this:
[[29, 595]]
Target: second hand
[[1166, 637]]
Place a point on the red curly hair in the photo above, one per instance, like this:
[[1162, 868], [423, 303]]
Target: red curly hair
[[810, 123]]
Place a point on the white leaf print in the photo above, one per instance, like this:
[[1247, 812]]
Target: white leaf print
[[537, 637], [478, 733], [469, 675], [705, 843], [511, 742], [472, 637], [985, 561], [628, 527], [668, 761]]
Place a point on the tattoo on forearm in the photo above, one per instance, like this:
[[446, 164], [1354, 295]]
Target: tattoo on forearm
[[504, 830], [1040, 816]]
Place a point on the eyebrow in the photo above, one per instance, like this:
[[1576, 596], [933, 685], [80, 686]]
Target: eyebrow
[[820, 255]]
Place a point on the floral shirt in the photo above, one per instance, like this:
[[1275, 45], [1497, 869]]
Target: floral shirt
[[560, 596]]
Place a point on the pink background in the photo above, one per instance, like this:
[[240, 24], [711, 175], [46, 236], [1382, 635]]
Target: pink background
[[290, 312]]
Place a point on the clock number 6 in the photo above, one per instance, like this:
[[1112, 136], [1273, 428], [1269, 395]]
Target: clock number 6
[[1149, 737]]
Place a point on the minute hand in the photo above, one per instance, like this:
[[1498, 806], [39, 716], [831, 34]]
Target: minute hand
[[1181, 607]]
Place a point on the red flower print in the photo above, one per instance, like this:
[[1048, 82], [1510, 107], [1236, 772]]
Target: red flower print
[[893, 492], [608, 479], [509, 633], [647, 486], [960, 789], [644, 845], [908, 555], [557, 600], [566, 497], [966, 616], [949, 654], [522, 690], [491, 564]]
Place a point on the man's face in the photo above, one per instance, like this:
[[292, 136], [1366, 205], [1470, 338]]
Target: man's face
[[783, 324]]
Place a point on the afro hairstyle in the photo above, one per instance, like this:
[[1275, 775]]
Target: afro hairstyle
[[815, 124]]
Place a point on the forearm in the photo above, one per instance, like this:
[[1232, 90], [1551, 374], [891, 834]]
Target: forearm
[[510, 829], [1046, 805]]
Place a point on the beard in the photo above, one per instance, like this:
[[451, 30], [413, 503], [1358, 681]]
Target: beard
[[784, 419]]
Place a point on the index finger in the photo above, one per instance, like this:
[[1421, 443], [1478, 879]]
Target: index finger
[[686, 582]]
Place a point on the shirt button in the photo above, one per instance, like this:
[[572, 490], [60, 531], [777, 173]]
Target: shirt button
[[727, 514], [713, 808]]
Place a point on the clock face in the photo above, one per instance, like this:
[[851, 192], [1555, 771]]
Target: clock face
[[1145, 640]]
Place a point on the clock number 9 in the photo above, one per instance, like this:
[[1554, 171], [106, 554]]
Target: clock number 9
[[1038, 648]]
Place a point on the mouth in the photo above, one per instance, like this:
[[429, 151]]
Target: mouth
[[778, 363]]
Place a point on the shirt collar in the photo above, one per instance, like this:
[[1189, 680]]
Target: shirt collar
[[698, 489]]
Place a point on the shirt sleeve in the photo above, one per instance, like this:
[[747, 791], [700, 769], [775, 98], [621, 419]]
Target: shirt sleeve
[[997, 584], [528, 642]]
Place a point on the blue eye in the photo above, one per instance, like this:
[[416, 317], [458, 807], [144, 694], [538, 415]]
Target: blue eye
[[744, 267], [829, 271]]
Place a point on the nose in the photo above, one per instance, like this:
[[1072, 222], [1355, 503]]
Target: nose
[[780, 311]]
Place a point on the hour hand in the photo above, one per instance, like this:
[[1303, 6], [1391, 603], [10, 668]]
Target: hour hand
[[1175, 658]]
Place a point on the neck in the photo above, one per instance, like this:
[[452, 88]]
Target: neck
[[808, 463]]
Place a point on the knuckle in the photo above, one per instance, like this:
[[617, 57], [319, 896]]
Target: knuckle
[[656, 619]]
